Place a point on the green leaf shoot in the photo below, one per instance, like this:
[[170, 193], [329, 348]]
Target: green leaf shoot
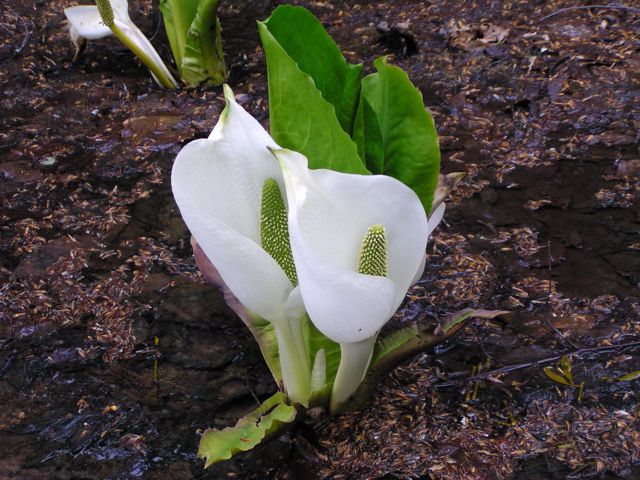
[[178, 16], [203, 60], [194, 34], [557, 376]]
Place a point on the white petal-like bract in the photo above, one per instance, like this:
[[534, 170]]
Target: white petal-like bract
[[217, 183], [329, 214], [86, 22]]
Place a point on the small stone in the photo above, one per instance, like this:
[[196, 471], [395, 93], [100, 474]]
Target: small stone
[[243, 98]]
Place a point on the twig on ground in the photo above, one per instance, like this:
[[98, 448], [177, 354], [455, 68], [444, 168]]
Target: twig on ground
[[586, 7], [535, 363]]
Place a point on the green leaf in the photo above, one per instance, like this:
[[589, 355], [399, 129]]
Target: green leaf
[[452, 320], [565, 367], [307, 43], [625, 378], [265, 335], [368, 137], [252, 429], [389, 343], [556, 376], [392, 341], [203, 60], [396, 133], [304, 65], [177, 16]]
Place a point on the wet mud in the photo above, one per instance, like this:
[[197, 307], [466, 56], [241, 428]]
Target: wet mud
[[114, 352]]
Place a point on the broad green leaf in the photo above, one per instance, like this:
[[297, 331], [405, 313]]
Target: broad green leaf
[[178, 16], [347, 109], [393, 120], [368, 137], [203, 60], [307, 43], [300, 118], [249, 431]]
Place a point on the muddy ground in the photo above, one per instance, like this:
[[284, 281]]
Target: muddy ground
[[538, 105]]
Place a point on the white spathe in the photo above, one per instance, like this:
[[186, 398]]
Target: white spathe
[[217, 183], [329, 214], [85, 23]]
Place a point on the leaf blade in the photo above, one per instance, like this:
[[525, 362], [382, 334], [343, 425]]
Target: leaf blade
[[556, 376], [251, 430], [300, 118], [407, 129], [177, 16], [308, 44], [628, 377]]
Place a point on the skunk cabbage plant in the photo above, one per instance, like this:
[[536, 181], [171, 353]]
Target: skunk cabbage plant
[[358, 243], [192, 27], [316, 232], [293, 244]]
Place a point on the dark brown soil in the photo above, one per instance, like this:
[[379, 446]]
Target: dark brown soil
[[541, 112]]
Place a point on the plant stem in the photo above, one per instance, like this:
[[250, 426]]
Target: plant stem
[[423, 341], [294, 361], [354, 361]]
